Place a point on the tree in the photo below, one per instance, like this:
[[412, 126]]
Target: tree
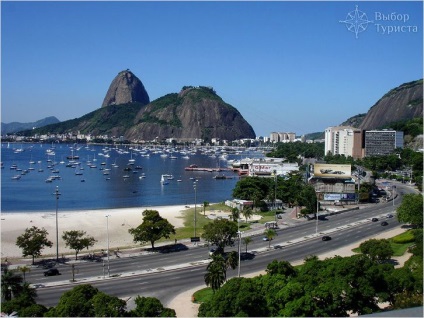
[[235, 214], [10, 284], [247, 213], [252, 188], [76, 302], [377, 250], [270, 234], [231, 260], [33, 241], [151, 307], [105, 305], [153, 228], [281, 268], [411, 210], [220, 233], [205, 204], [216, 272], [247, 240], [24, 269], [239, 297], [76, 241]]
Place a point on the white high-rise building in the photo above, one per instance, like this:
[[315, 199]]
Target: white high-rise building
[[343, 140]]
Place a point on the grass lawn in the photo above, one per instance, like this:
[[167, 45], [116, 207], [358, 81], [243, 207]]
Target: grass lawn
[[398, 248], [202, 295]]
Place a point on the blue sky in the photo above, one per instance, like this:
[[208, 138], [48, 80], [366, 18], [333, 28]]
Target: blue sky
[[286, 66]]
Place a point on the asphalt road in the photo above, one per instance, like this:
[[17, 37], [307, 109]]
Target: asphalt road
[[344, 228]]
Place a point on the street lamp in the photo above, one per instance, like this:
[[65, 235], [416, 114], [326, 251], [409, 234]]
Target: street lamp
[[316, 224], [107, 233], [239, 257], [195, 205], [275, 194], [57, 228]]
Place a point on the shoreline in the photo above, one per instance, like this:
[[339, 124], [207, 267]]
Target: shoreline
[[93, 222]]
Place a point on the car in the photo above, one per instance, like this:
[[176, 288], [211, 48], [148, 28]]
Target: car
[[374, 219], [326, 238], [384, 223], [389, 216], [52, 272], [265, 239], [212, 251]]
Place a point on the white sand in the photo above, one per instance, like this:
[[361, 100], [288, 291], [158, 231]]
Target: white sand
[[93, 222]]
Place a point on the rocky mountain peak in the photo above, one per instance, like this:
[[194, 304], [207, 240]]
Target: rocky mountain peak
[[126, 88]]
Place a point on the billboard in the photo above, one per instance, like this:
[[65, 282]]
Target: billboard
[[323, 170]]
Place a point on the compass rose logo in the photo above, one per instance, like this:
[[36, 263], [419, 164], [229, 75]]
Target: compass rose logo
[[356, 21]]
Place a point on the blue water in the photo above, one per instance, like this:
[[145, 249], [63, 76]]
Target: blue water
[[99, 191]]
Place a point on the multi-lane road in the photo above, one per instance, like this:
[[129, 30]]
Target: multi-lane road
[[165, 275]]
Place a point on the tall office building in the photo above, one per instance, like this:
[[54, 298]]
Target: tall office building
[[382, 142]]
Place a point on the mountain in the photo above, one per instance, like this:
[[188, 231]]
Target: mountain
[[400, 103], [10, 128], [354, 121], [126, 88], [194, 113]]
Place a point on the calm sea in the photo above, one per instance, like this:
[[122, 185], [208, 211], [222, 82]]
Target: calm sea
[[99, 181]]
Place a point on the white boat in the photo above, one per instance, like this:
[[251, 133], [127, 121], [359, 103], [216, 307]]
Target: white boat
[[163, 180]]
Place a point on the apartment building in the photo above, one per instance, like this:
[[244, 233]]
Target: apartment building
[[343, 140]]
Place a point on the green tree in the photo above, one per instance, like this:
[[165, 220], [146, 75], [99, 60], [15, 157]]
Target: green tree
[[220, 233], [247, 240], [411, 210], [235, 214], [105, 305], [153, 228], [281, 268], [33, 241], [247, 213], [252, 188], [24, 269], [76, 302], [377, 250], [270, 234], [205, 204], [76, 241], [231, 260], [239, 297], [151, 307], [11, 284], [24, 303], [216, 272]]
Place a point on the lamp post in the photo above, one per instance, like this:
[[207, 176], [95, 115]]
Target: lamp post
[[239, 256], [107, 234], [57, 227], [316, 223], [195, 204], [275, 194]]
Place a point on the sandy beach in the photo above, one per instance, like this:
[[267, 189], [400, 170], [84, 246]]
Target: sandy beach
[[94, 222]]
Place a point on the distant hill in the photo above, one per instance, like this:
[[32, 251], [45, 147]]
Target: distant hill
[[13, 127], [196, 112], [401, 104]]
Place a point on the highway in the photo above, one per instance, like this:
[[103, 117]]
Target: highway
[[165, 275]]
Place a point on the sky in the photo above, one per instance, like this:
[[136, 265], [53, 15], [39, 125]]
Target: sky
[[287, 66]]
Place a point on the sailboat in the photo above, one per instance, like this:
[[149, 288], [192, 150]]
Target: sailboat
[[163, 180]]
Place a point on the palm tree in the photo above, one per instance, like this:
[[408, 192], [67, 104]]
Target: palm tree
[[247, 240], [205, 204], [232, 260], [10, 284], [270, 234], [216, 272], [235, 214], [247, 213], [24, 270]]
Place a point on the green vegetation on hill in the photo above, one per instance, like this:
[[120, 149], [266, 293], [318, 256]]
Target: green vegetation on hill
[[411, 127]]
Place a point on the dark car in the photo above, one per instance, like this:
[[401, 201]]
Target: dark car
[[389, 216], [52, 272], [326, 238], [384, 223], [374, 219]]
